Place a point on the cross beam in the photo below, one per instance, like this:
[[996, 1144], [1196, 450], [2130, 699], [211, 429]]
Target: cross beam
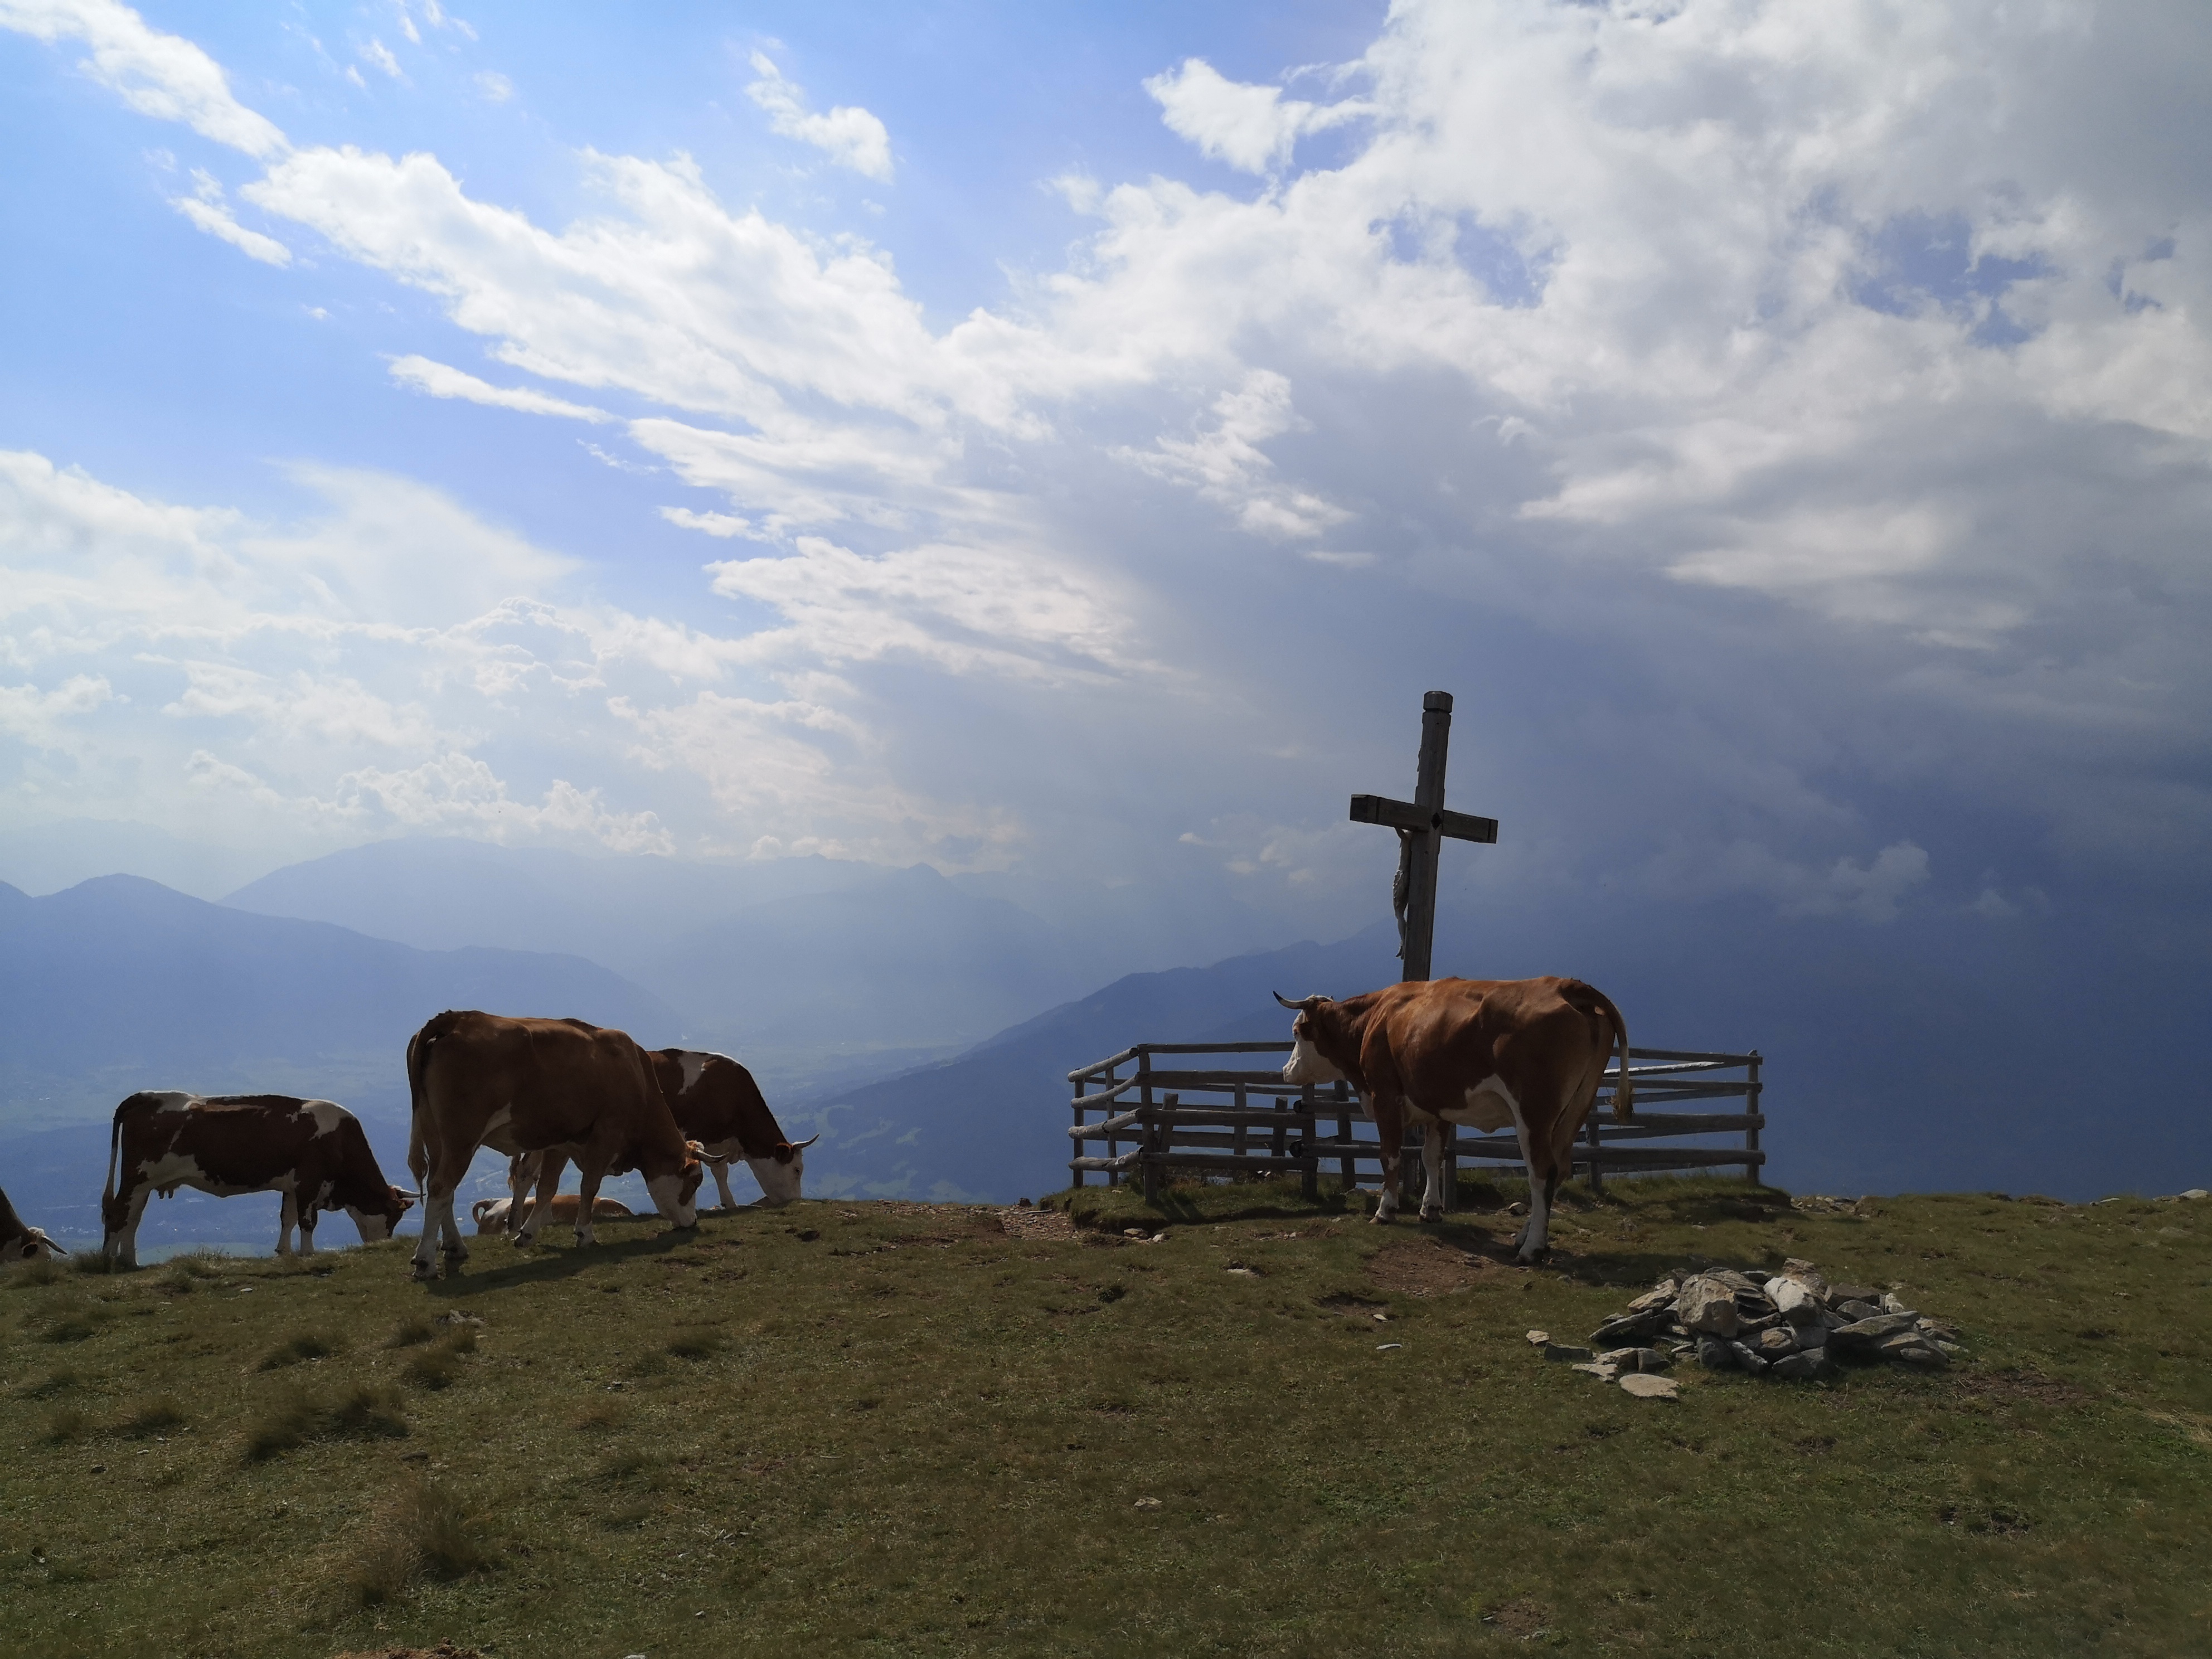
[[1423, 826]]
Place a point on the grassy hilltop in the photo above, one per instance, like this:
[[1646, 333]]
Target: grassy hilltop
[[895, 1428]]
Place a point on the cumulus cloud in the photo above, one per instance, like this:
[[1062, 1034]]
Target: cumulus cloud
[[1225, 464], [163, 76], [848, 135], [1252, 128], [377, 55]]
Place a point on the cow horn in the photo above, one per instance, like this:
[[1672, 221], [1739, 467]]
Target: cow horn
[[801, 1146]]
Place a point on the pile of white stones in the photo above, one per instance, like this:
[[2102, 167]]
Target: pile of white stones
[[1792, 1324]]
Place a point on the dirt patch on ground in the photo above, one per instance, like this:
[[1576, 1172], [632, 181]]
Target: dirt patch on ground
[[1036, 1223], [443, 1650], [1353, 1307], [1427, 1266], [2021, 1388], [1523, 1616]]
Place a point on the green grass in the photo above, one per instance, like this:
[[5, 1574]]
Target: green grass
[[880, 1428]]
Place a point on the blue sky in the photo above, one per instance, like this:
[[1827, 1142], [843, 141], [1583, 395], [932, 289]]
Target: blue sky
[[1067, 441]]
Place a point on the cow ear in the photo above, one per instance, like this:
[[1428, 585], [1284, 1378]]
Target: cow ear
[[695, 1149]]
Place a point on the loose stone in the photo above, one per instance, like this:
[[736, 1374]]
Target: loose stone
[[1565, 1353], [1708, 1305], [1649, 1387]]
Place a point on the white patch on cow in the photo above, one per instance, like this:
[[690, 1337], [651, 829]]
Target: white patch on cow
[[1433, 1164], [668, 1198], [694, 1063], [779, 1182], [374, 1228], [1306, 1063], [1489, 1106], [330, 1117]]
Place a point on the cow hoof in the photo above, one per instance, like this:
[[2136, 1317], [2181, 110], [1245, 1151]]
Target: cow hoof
[[1437, 1214], [424, 1270], [1380, 1219]]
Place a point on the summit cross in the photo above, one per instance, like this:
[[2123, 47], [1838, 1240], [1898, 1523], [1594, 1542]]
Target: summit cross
[[1422, 825]]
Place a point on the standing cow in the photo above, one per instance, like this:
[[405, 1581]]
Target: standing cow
[[18, 1240], [718, 1105], [528, 1086], [313, 1151], [1482, 1052]]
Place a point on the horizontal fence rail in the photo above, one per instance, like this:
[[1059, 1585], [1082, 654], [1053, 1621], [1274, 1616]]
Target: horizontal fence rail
[[1154, 1119]]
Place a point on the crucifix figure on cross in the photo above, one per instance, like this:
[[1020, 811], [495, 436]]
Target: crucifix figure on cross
[[1422, 824]]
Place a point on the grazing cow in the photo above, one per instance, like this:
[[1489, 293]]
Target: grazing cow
[[1484, 1052], [313, 1151], [19, 1241], [491, 1213], [718, 1105], [527, 1086]]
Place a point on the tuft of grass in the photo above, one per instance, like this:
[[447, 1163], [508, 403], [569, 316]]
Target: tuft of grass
[[155, 1414], [425, 1532], [307, 1345], [295, 1417], [92, 1262], [440, 1365], [65, 1424], [410, 1332], [600, 1419], [27, 1275], [54, 1382], [695, 1345], [72, 1322]]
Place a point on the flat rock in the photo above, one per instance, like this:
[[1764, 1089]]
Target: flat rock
[[1859, 1308], [1778, 1342], [1632, 1327], [1661, 1296], [1892, 1303], [1865, 1332], [1567, 1354], [1708, 1305], [2194, 1192], [1916, 1353], [1840, 1294], [1732, 1279], [1806, 1276], [1636, 1359], [1540, 1338], [1599, 1370], [1649, 1387], [1810, 1366], [1716, 1355], [1812, 1338]]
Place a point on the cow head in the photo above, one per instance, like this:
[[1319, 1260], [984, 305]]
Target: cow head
[[676, 1194], [779, 1172], [1307, 1063], [32, 1246], [377, 1219]]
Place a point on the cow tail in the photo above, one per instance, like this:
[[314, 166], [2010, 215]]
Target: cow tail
[[114, 1153], [1624, 1095], [418, 1066]]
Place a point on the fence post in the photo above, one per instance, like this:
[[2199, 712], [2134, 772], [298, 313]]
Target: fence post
[[1752, 1172], [1450, 1132], [1240, 1140], [1310, 1177], [1155, 1147], [1344, 1134]]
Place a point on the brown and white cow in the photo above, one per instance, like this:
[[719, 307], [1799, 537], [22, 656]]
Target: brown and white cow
[[1484, 1052], [490, 1214], [717, 1105], [530, 1085], [313, 1151], [18, 1240]]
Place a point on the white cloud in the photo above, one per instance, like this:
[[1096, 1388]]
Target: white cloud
[[1226, 464], [1251, 128], [495, 87], [848, 135], [723, 525], [36, 716], [211, 214], [378, 56], [159, 75], [441, 380]]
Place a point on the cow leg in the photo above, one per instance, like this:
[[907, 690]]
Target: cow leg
[[547, 1168], [286, 1215], [720, 1166], [306, 1232], [589, 1173], [120, 1247], [1433, 1165], [1390, 1127], [522, 1169], [1531, 1240]]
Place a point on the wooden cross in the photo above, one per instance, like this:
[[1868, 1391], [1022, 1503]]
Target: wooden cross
[[1422, 825]]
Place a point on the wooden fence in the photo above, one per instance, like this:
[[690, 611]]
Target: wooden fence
[[1221, 1120]]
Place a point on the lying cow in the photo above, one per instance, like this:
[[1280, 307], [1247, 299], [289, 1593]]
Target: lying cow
[[717, 1105], [528, 1086], [18, 1240], [313, 1151], [490, 1214], [1484, 1052]]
